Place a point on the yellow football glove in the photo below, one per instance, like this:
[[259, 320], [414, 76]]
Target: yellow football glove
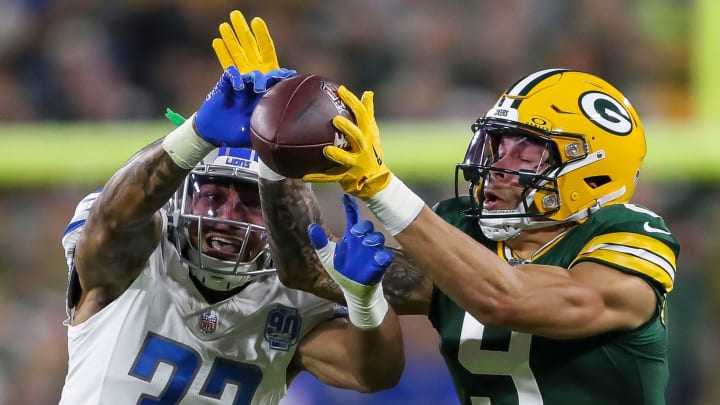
[[244, 49], [363, 172]]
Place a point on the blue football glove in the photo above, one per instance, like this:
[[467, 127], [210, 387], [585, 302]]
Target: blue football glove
[[357, 263], [224, 117]]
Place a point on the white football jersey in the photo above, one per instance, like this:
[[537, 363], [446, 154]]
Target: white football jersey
[[161, 342]]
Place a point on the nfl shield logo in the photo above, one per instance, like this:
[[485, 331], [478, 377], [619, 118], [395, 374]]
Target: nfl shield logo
[[208, 323]]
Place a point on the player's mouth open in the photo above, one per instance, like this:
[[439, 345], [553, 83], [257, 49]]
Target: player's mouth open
[[492, 201], [227, 248]]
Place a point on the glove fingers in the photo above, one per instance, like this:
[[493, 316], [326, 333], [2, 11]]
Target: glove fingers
[[258, 80], [246, 38], [352, 211], [373, 238], [324, 249], [367, 102], [383, 258], [222, 53], [353, 134], [281, 73], [265, 44], [233, 46], [321, 178], [355, 105], [365, 228], [348, 97], [233, 76], [317, 236], [339, 156], [276, 75]]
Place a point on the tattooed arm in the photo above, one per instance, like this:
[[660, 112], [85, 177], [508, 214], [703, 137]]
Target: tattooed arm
[[123, 228], [407, 288], [289, 207]]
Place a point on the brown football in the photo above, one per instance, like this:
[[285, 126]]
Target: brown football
[[293, 123]]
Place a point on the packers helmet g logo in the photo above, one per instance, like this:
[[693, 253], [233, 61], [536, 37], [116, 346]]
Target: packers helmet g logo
[[605, 112]]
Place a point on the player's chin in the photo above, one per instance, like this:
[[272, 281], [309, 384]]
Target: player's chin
[[231, 254]]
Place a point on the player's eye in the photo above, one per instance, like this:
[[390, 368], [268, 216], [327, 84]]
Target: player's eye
[[213, 197]]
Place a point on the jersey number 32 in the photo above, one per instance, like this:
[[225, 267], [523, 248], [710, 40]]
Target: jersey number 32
[[186, 362]]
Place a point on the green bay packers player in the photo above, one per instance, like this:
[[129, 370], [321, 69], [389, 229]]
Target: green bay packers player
[[544, 282], [181, 306]]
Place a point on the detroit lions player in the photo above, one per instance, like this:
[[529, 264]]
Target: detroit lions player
[[544, 282], [179, 305]]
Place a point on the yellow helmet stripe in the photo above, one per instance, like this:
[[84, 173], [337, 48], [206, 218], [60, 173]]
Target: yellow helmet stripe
[[635, 252]]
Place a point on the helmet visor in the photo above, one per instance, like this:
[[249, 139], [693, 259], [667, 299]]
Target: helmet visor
[[504, 157], [508, 150]]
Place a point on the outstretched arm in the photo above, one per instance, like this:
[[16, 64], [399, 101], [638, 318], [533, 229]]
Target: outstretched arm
[[549, 301], [124, 226], [289, 207]]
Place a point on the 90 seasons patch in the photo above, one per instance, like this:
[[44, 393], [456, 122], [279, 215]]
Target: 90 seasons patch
[[282, 327]]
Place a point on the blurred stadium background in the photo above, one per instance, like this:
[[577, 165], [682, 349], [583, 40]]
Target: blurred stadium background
[[84, 83]]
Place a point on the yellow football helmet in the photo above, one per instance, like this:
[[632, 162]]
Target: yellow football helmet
[[592, 135]]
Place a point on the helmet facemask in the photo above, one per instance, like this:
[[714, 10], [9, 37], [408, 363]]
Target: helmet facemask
[[534, 175], [225, 247]]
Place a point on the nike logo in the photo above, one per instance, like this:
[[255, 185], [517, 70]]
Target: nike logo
[[648, 228], [377, 157]]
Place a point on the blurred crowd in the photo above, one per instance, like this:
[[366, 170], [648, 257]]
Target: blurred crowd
[[129, 59]]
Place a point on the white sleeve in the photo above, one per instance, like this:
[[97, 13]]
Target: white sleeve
[[74, 229], [70, 237]]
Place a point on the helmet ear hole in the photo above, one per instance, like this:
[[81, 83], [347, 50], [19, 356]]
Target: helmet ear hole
[[597, 181]]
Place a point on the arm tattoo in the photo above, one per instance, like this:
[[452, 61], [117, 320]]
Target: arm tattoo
[[406, 288], [123, 220], [150, 176], [289, 207]]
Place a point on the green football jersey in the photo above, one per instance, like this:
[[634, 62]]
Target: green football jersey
[[492, 365]]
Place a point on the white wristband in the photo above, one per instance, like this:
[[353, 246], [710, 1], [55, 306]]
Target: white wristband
[[185, 147], [367, 312], [396, 206], [264, 172], [366, 304]]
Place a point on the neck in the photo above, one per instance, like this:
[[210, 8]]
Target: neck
[[529, 242], [214, 296]]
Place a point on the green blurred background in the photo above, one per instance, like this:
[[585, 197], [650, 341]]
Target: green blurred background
[[83, 85]]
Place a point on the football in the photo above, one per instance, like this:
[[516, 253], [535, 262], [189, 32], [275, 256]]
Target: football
[[292, 124]]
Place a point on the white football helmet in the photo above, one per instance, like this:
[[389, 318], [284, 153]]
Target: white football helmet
[[221, 253]]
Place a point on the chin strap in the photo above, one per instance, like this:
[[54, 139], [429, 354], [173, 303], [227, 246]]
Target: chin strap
[[231, 277], [499, 229], [599, 203]]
